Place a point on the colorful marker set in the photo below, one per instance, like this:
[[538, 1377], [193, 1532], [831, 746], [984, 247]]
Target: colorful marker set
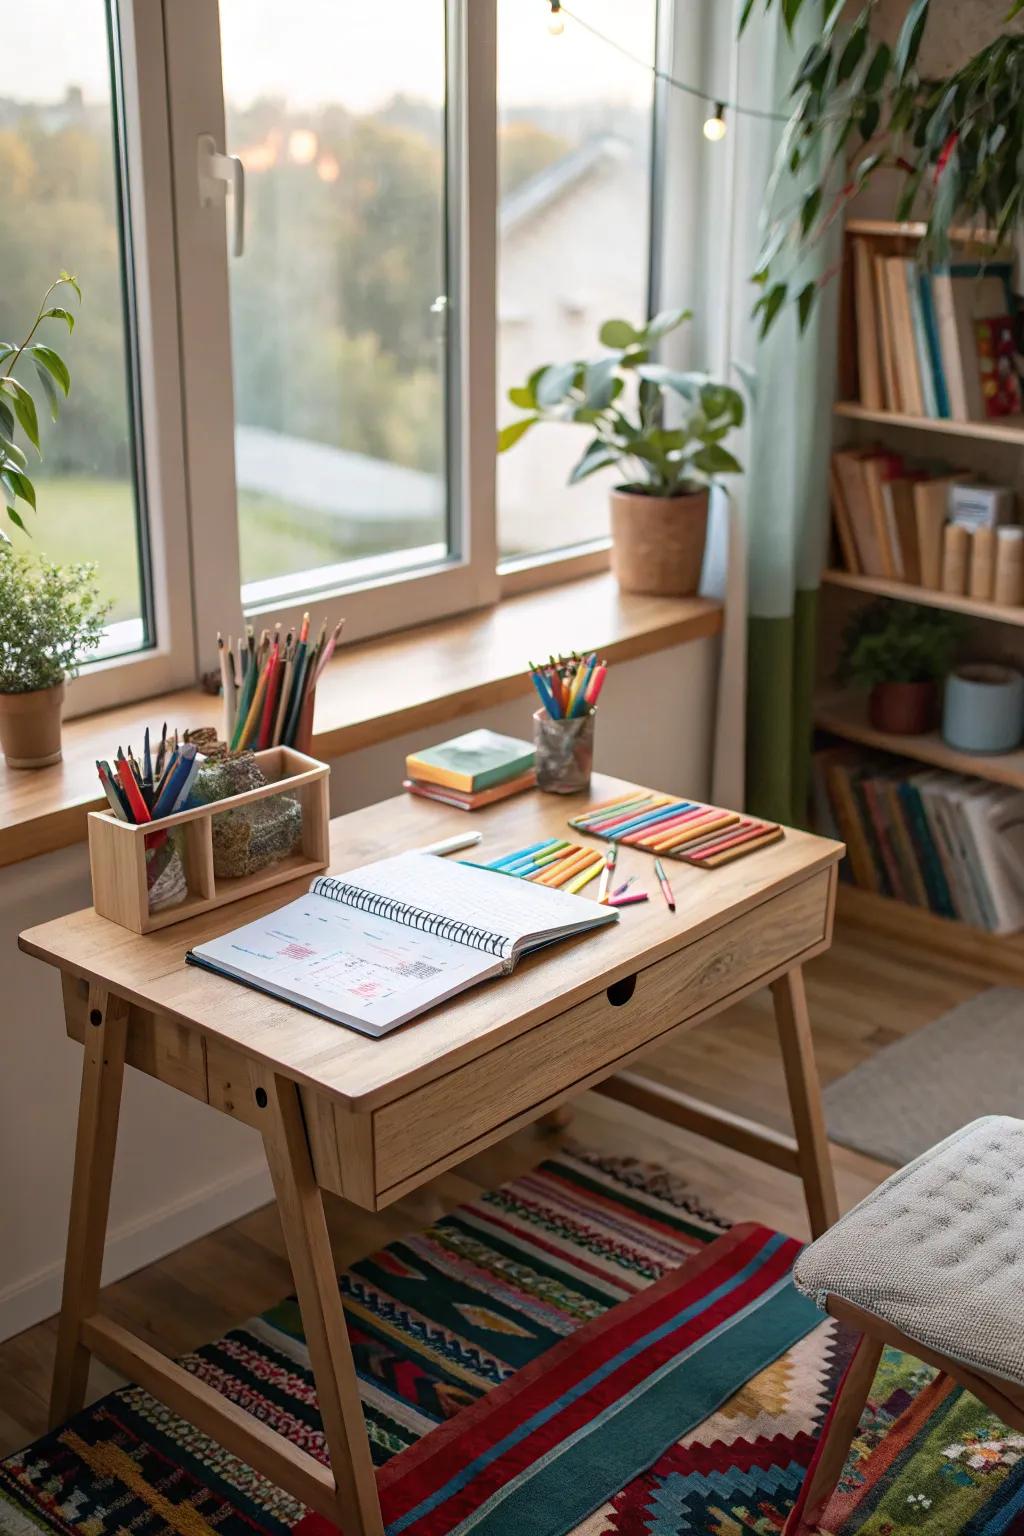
[[269, 687], [157, 786], [565, 866], [569, 687], [703, 835]]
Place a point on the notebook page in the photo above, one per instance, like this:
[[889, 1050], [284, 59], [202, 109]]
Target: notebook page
[[514, 910], [348, 965]]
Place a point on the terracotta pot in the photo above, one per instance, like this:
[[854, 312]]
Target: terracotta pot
[[30, 727], [903, 709], [658, 542]]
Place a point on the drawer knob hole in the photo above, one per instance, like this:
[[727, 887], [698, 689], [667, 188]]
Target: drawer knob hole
[[621, 991]]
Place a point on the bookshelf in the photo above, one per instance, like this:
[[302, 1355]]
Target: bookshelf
[[845, 714], [989, 448], [1010, 429], [879, 586]]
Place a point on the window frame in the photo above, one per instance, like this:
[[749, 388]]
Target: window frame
[[140, 108], [171, 83]]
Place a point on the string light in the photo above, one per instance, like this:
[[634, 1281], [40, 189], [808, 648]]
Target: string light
[[714, 127]]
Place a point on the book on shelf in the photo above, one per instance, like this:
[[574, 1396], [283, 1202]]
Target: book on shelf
[[462, 801], [947, 842], [377, 946], [935, 344]]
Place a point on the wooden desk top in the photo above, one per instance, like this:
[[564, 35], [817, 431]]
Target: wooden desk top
[[149, 969]]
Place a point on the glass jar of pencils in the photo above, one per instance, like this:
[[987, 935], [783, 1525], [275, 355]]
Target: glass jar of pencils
[[564, 752]]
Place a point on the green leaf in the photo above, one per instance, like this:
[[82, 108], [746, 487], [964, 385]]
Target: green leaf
[[809, 211], [664, 322], [856, 46], [878, 69], [770, 305], [790, 11], [617, 333], [11, 453], [716, 460], [599, 381], [748, 6], [20, 484], [510, 435], [805, 303], [870, 118], [24, 408], [50, 391], [722, 400], [555, 383], [69, 277], [598, 456], [57, 313], [909, 40], [523, 396], [1015, 9]]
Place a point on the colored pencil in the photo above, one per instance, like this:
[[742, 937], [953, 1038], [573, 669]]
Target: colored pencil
[[133, 794], [606, 874], [628, 901], [590, 872], [666, 889], [513, 858]]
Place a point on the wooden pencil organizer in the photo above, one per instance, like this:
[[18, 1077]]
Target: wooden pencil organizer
[[147, 877]]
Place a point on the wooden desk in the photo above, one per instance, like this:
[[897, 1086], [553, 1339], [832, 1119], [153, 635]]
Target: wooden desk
[[371, 1119]]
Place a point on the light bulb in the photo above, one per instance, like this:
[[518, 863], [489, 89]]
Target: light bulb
[[556, 21], [714, 127]]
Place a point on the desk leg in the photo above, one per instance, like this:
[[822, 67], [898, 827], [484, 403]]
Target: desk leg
[[98, 1110], [813, 1160], [309, 1251]]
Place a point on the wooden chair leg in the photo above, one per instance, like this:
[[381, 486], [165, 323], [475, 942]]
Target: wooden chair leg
[[323, 1318], [557, 1119], [836, 1438], [804, 1089], [98, 1111]]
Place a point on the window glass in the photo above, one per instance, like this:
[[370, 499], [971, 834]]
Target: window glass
[[338, 303], [60, 194], [574, 156]]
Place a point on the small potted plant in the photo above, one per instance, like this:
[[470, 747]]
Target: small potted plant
[[50, 616], [900, 652], [667, 455]]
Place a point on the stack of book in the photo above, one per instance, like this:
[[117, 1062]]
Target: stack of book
[[943, 841], [934, 344], [472, 770]]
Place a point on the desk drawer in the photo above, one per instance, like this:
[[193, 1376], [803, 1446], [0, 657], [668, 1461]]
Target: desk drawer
[[416, 1132]]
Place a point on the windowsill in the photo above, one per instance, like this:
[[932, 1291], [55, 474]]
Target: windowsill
[[370, 693]]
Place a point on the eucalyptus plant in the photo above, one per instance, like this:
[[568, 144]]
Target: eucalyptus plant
[[17, 403], [956, 144], [620, 397]]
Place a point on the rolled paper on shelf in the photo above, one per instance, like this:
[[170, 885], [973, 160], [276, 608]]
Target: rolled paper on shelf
[[1009, 582], [955, 545], [982, 570]]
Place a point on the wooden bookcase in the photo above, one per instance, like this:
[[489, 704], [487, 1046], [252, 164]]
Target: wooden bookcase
[[986, 448]]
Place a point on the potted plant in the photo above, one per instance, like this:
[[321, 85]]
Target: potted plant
[[899, 651], [664, 429], [50, 616]]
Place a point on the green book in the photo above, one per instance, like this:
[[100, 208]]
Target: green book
[[476, 761]]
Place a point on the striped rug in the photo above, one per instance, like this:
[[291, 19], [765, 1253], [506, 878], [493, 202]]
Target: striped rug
[[437, 1321]]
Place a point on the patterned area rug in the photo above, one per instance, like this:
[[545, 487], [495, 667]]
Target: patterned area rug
[[441, 1319]]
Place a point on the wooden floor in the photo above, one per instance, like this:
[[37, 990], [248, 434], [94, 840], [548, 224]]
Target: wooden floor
[[864, 994]]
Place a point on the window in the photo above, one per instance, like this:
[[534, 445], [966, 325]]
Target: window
[[60, 187], [574, 154], [338, 306], [288, 235]]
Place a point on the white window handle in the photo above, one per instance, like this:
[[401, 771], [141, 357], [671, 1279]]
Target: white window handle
[[220, 174]]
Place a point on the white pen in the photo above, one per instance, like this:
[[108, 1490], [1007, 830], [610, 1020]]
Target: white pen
[[453, 844]]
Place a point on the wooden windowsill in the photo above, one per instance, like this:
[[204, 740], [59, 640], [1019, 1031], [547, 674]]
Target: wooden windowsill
[[370, 693]]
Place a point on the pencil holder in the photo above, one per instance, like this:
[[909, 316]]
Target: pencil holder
[[148, 876], [564, 752]]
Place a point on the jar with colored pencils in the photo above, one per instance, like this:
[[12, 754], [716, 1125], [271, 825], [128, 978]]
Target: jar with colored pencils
[[563, 727]]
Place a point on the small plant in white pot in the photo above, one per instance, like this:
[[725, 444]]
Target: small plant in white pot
[[51, 616], [668, 455]]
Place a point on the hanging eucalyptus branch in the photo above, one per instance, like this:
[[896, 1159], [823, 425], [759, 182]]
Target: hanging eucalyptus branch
[[957, 143]]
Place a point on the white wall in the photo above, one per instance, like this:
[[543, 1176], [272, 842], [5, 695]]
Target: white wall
[[183, 1169]]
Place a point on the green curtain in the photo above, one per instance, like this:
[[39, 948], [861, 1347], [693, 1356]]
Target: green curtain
[[787, 516]]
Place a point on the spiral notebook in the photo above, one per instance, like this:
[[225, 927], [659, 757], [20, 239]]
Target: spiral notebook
[[379, 945]]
